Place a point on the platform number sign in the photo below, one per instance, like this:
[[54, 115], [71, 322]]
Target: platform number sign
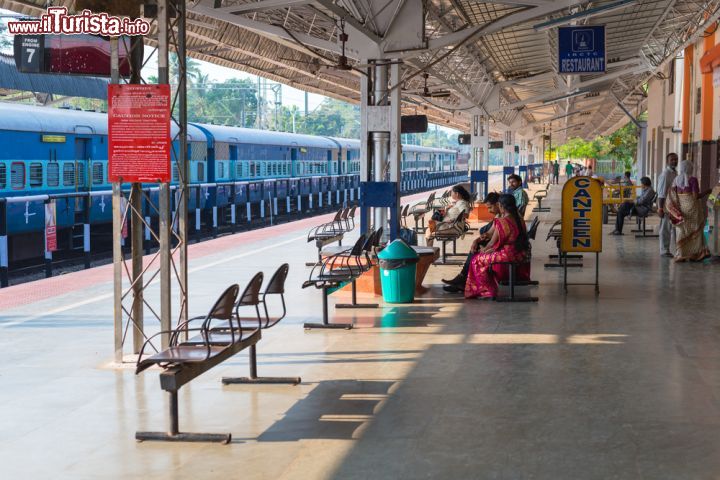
[[30, 53], [581, 49]]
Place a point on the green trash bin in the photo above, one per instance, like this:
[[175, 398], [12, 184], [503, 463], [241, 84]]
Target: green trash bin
[[398, 262]]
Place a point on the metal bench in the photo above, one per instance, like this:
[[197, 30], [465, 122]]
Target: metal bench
[[332, 273], [539, 196], [331, 232], [275, 287], [555, 233], [182, 362], [641, 223], [419, 210], [457, 231]]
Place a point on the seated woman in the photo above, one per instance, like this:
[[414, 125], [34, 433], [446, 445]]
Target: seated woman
[[685, 206], [461, 203], [509, 243]]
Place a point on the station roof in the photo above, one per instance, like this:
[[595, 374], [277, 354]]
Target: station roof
[[495, 57]]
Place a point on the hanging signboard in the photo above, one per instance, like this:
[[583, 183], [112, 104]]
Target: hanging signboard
[[139, 133], [50, 227], [582, 199], [551, 155], [581, 49]]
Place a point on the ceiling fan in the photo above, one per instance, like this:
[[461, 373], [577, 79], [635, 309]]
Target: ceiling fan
[[434, 94]]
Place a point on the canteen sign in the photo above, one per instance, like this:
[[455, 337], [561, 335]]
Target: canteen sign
[[581, 49], [582, 199]]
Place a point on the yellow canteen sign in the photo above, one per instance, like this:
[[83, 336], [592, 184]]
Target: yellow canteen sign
[[582, 202]]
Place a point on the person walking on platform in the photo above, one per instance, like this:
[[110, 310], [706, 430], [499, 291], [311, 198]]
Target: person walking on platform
[[685, 207], [569, 169], [641, 206], [515, 189], [457, 284], [556, 172], [665, 183]]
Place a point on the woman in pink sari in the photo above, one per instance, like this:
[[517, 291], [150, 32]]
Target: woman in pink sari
[[509, 242]]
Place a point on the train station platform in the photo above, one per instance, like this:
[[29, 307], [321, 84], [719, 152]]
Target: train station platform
[[622, 385]]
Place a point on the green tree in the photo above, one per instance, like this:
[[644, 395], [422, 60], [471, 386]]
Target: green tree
[[6, 40], [232, 102]]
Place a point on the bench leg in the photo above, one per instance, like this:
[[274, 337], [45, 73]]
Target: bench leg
[[354, 303], [326, 323], [175, 435], [512, 297], [253, 378], [560, 258], [318, 262], [539, 208], [644, 231]]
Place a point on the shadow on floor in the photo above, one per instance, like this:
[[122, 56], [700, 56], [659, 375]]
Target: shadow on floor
[[332, 410]]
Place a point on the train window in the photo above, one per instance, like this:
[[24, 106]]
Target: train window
[[3, 176], [53, 174], [97, 173], [80, 174], [175, 172], [221, 169], [17, 175], [200, 172], [68, 174], [238, 170], [36, 170]]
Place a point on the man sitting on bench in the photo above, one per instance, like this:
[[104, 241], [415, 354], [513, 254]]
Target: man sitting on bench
[[515, 189], [641, 206], [457, 284]]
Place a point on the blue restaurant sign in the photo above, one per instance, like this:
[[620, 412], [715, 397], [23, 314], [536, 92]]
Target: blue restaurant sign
[[581, 49]]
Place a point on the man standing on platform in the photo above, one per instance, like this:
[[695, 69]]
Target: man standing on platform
[[665, 182], [556, 172], [569, 169]]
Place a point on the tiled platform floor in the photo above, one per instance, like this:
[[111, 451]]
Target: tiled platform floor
[[622, 385]]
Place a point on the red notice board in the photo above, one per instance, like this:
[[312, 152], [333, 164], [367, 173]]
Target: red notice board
[[139, 133]]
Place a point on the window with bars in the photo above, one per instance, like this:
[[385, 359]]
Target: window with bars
[[201, 172], [221, 169], [97, 173], [17, 175], [36, 174], [53, 174], [3, 176], [68, 175]]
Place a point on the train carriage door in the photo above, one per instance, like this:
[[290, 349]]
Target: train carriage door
[[234, 162], [294, 164], [82, 163]]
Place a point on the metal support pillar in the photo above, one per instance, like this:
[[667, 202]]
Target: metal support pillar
[[164, 220], [380, 150], [479, 143], [133, 211], [380, 139]]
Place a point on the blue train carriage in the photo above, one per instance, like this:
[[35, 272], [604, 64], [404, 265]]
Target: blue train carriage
[[257, 171], [51, 151], [61, 154]]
